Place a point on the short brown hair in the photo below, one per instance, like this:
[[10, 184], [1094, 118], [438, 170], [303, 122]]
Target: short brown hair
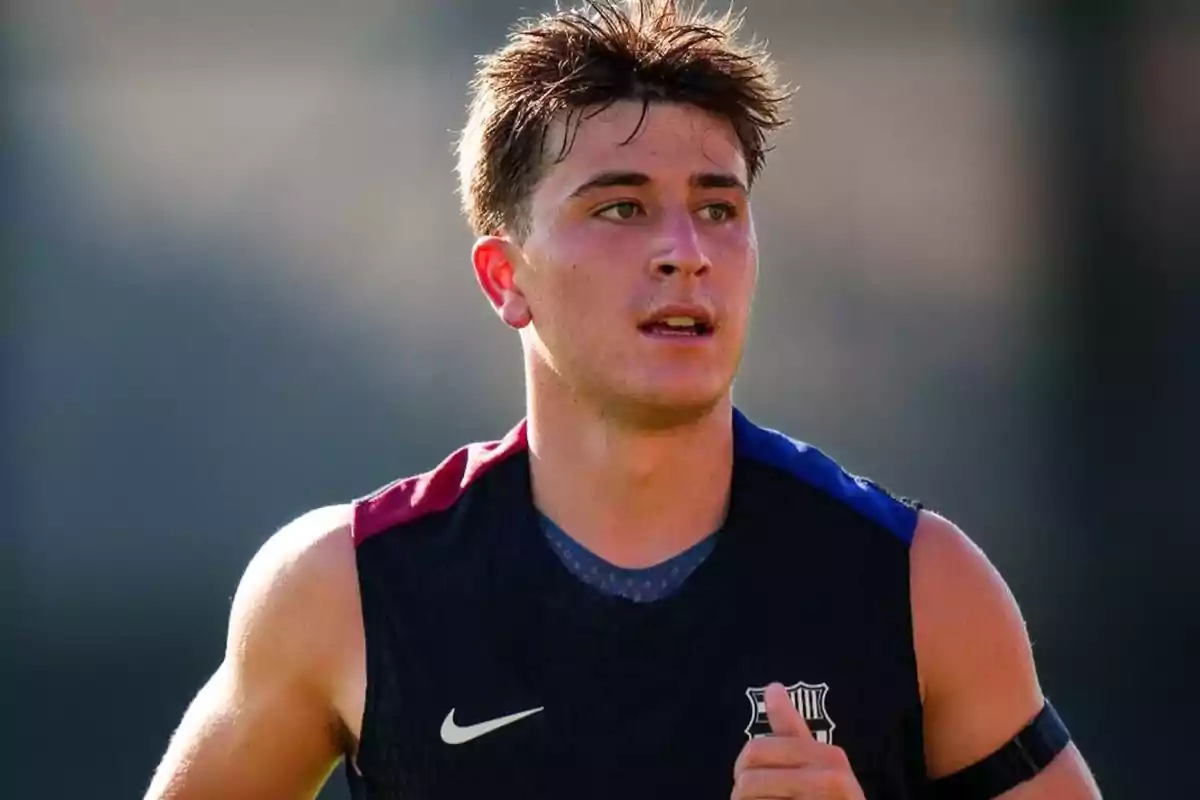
[[560, 64]]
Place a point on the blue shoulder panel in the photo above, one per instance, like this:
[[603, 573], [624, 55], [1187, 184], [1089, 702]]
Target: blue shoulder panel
[[818, 470]]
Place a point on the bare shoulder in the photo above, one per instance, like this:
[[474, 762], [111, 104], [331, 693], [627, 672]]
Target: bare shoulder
[[310, 557], [297, 608], [978, 681], [286, 701], [979, 684], [953, 581]]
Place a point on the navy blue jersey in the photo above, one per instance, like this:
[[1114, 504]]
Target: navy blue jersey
[[494, 671]]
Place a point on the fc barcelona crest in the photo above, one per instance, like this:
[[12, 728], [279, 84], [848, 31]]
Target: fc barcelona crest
[[809, 700]]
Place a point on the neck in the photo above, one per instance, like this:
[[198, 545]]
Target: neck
[[634, 497]]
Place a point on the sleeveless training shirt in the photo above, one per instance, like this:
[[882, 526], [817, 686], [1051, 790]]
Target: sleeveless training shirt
[[493, 671]]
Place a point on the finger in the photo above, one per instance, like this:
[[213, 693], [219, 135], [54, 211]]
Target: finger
[[760, 784], [775, 751], [785, 719]]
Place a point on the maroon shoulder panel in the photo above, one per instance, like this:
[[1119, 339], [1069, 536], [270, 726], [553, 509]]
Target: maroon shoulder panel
[[409, 499]]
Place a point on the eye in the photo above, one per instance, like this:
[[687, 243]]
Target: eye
[[719, 212], [624, 210]]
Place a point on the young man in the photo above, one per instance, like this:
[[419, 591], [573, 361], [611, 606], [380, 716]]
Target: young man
[[637, 592]]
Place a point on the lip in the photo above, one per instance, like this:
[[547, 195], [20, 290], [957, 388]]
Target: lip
[[701, 314]]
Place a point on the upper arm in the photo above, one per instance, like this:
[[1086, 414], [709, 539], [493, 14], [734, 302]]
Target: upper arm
[[979, 685], [266, 724]]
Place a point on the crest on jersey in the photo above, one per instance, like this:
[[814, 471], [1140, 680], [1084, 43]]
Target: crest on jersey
[[809, 700]]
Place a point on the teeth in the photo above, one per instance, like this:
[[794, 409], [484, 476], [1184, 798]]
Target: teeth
[[680, 322]]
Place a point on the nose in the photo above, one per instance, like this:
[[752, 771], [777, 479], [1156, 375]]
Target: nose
[[680, 250]]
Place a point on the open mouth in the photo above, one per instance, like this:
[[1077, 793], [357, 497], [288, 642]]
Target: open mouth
[[678, 327]]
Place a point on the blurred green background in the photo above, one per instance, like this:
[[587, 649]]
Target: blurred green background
[[236, 286]]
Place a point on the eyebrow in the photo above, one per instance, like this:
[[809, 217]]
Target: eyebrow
[[701, 180]]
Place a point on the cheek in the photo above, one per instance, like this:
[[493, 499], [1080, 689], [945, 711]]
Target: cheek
[[584, 287], [752, 278], [739, 256], [590, 272], [578, 300]]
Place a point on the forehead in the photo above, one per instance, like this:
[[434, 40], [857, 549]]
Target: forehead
[[673, 143]]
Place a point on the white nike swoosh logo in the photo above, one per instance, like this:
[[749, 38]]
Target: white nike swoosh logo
[[453, 734]]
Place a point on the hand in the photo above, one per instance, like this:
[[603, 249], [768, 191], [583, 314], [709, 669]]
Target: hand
[[790, 763]]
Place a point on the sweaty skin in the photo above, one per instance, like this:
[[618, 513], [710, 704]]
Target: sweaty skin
[[631, 450]]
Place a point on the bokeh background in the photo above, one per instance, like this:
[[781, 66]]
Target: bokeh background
[[236, 286]]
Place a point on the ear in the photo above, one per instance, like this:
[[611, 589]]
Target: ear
[[493, 258]]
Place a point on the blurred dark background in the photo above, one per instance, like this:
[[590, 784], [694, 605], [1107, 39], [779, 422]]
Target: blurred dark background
[[236, 286]]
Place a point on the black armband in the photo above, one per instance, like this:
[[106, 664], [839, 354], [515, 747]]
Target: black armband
[[1024, 756]]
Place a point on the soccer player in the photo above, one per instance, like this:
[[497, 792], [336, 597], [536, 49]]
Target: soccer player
[[638, 592]]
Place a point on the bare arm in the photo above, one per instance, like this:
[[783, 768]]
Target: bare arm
[[978, 680], [269, 722]]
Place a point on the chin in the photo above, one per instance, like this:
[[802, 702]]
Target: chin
[[666, 409]]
